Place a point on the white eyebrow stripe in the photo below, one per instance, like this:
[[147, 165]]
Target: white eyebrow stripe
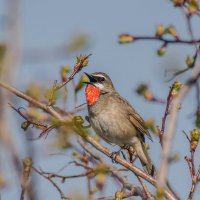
[[99, 85]]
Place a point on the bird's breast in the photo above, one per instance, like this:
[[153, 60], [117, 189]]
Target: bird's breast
[[92, 94], [112, 125]]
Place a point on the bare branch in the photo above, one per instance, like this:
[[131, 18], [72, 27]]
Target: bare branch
[[27, 163], [133, 38], [29, 99], [114, 171], [171, 127], [62, 195]]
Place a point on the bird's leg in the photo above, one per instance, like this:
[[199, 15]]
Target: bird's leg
[[123, 155], [131, 152], [116, 153]]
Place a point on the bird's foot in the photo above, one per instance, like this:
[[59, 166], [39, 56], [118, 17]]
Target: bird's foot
[[114, 155]]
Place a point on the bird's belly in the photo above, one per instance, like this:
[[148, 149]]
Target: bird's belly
[[112, 129]]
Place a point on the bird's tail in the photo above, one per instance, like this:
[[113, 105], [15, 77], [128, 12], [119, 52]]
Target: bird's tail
[[143, 155]]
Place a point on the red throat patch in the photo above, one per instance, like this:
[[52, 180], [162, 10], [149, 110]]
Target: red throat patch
[[92, 94]]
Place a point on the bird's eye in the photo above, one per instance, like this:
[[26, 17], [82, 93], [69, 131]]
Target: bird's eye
[[101, 79]]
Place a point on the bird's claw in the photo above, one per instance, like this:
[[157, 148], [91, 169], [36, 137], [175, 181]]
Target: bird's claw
[[114, 155]]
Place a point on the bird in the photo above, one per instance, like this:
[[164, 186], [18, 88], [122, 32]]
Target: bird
[[114, 119]]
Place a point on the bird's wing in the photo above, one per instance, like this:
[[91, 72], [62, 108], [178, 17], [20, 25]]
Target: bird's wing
[[138, 122], [134, 117]]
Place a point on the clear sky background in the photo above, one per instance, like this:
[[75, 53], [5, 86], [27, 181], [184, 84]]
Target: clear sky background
[[49, 23]]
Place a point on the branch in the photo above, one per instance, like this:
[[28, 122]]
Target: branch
[[133, 38], [128, 165], [54, 175], [29, 99], [82, 61], [148, 194], [27, 164], [113, 170], [89, 139], [135, 192], [169, 98], [52, 182], [171, 127]]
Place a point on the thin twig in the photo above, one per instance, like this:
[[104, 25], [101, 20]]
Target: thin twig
[[62, 195], [149, 196], [27, 164], [161, 39], [54, 175], [35, 123], [77, 67], [169, 99], [188, 160], [126, 194], [38, 104]]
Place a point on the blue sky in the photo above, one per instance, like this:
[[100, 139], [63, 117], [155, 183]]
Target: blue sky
[[46, 24]]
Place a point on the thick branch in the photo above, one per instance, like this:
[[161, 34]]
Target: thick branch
[[128, 165], [113, 170]]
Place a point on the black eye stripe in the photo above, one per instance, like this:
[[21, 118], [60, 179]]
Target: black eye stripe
[[101, 79]]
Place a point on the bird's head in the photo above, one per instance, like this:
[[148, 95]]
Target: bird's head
[[99, 84]]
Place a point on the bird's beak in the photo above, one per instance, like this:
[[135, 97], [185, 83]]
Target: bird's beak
[[91, 78]]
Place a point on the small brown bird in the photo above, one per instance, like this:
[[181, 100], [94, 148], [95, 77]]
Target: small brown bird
[[114, 119]]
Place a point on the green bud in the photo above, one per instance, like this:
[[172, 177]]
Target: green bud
[[101, 168], [126, 38], [144, 90], [118, 195], [178, 2], [194, 138], [192, 6], [172, 31], [100, 180], [174, 157], [94, 190], [34, 91], [25, 125], [141, 88], [160, 193], [160, 30], [78, 120], [176, 87], [64, 72], [50, 96], [27, 162], [150, 124], [81, 60], [74, 154], [81, 84], [190, 61], [162, 51], [194, 134], [147, 147]]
